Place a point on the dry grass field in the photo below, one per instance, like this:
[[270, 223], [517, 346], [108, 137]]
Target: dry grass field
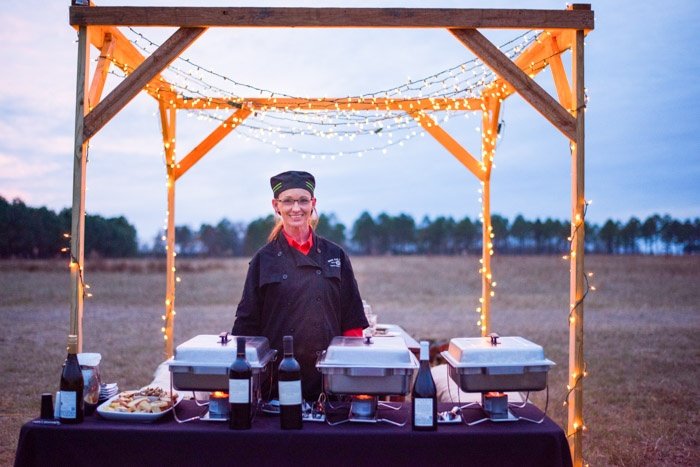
[[641, 324]]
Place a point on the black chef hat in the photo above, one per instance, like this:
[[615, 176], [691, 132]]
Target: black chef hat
[[292, 179]]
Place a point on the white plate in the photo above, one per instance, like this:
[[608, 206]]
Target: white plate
[[132, 416]]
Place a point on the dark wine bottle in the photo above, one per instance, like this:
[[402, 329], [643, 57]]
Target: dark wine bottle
[[424, 394], [289, 380], [71, 404], [239, 390]]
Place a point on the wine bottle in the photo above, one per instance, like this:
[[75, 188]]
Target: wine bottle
[[289, 380], [424, 394], [71, 404], [239, 393]]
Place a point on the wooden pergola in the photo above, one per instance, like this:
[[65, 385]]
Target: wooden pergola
[[562, 30]]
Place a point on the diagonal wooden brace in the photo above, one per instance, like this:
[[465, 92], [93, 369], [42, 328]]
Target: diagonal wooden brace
[[526, 86], [210, 141], [134, 83], [103, 64], [457, 150]]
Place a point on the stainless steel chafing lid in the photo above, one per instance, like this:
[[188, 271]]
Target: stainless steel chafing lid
[[380, 352], [220, 350], [468, 352]]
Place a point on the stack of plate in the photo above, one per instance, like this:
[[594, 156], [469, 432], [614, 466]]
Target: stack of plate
[[108, 390]]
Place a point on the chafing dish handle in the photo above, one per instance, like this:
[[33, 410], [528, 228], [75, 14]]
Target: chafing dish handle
[[320, 357], [223, 338]]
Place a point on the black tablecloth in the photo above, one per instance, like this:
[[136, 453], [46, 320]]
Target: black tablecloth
[[165, 442]]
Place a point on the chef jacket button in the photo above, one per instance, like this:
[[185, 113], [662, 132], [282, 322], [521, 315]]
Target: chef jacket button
[[284, 276], [279, 253], [318, 271], [318, 250]]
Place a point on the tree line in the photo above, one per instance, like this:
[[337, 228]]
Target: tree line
[[401, 235], [27, 232]]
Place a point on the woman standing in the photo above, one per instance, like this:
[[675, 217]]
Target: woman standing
[[299, 283]]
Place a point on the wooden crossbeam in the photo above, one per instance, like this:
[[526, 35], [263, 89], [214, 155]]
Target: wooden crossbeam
[[210, 141], [329, 104], [526, 86], [132, 85], [330, 17]]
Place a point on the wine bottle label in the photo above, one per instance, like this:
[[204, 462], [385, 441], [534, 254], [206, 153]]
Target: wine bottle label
[[68, 404], [423, 411], [290, 392], [239, 391]]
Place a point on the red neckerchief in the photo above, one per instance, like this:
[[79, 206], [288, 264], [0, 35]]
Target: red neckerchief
[[305, 247]]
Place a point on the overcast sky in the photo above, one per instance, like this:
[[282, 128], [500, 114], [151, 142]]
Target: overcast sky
[[642, 140]]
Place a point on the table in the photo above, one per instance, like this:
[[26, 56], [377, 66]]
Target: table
[[165, 442]]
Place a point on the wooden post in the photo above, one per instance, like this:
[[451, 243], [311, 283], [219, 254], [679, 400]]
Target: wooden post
[[168, 120], [77, 241], [489, 133], [485, 317], [575, 424]]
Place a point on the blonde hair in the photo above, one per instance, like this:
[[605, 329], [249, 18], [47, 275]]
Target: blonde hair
[[313, 222]]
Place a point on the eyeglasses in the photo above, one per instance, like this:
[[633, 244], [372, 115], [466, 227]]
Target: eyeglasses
[[289, 202]]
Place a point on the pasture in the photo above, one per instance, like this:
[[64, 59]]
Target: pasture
[[641, 329]]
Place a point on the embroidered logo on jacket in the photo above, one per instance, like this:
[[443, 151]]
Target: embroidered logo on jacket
[[334, 262]]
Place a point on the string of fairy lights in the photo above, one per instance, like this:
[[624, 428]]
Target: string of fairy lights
[[577, 377], [273, 125]]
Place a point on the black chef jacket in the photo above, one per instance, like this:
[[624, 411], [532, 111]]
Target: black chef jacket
[[311, 297]]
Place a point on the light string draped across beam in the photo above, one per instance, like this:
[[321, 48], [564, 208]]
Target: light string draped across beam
[[347, 117]]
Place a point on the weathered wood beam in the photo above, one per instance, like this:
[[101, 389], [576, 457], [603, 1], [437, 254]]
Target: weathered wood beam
[[168, 121], [330, 17], [77, 235], [526, 86], [577, 279], [134, 83], [226, 127], [449, 143]]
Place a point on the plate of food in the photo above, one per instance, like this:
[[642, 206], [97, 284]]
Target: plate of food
[[141, 405]]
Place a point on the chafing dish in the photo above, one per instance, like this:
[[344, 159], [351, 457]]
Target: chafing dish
[[201, 363], [495, 363], [371, 366]]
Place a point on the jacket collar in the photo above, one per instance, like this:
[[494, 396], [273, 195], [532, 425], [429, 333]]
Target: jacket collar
[[312, 259]]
